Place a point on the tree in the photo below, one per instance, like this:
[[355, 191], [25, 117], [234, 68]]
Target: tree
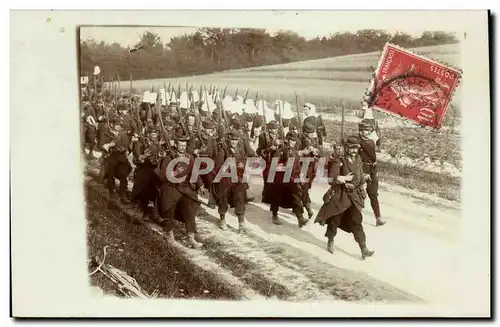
[[209, 50]]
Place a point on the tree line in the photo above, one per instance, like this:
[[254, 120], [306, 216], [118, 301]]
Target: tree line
[[210, 50]]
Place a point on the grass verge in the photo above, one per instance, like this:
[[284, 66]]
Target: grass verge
[[144, 255]]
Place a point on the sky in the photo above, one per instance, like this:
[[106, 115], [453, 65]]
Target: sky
[[309, 24]]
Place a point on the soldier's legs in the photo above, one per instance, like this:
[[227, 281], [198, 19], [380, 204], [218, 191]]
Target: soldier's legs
[[142, 188], [239, 195], [124, 170], [297, 206], [223, 203], [103, 170], [372, 190], [306, 200], [140, 184], [355, 221], [247, 198], [189, 209], [239, 198], [112, 172], [332, 225], [223, 199], [168, 200]]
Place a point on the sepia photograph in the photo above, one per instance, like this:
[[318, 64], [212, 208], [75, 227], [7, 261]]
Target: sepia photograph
[[303, 164], [151, 95]]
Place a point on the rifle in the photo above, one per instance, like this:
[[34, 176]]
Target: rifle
[[299, 120], [256, 98], [130, 89], [265, 122], [118, 84], [198, 125], [282, 131], [164, 133], [221, 137], [224, 93], [208, 107], [235, 94], [246, 96]]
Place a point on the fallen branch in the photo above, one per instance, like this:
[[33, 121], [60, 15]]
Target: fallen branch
[[127, 285]]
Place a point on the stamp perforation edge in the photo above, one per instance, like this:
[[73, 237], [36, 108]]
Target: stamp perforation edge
[[420, 56]]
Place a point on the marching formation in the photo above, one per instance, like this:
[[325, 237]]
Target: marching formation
[[180, 145]]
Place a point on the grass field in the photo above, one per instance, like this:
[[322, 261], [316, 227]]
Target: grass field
[[325, 82]]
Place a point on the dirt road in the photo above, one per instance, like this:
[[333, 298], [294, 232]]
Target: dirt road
[[415, 251]]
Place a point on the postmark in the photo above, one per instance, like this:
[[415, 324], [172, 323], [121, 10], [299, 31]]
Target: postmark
[[412, 86]]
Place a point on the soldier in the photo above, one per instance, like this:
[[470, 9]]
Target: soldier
[[317, 120], [256, 132], [116, 143], [191, 123], [241, 127], [310, 147], [344, 201], [369, 158], [286, 194], [231, 193], [90, 130], [178, 197], [147, 154], [268, 144], [208, 149]]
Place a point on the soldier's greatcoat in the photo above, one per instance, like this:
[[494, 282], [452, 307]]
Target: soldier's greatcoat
[[178, 200], [339, 198], [229, 193]]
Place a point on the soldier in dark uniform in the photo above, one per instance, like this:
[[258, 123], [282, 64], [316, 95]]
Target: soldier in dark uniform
[[208, 149], [310, 147], [229, 193], [147, 154], [317, 120], [240, 125], [369, 158], [178, 199], [268, 143], [90, 126], [344, 201], [117, 143], [286, 194], [191, 123]]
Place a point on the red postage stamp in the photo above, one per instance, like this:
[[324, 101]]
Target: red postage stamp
[[412, 86]]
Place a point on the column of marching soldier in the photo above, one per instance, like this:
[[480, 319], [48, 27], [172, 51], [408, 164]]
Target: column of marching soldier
[[143, 137]]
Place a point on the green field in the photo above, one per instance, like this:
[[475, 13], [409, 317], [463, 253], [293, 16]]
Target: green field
[[325, 82]]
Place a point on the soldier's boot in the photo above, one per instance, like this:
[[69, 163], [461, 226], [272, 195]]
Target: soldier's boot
[[329, 246], [248, 198], [170, 236], [149, 212], [310, 213], [276, 219], [211, 201], [302, 221], [193, 242], [243, 229], [365, 252], [380, 221], [124, 199], [222, 222], [102, 173]]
